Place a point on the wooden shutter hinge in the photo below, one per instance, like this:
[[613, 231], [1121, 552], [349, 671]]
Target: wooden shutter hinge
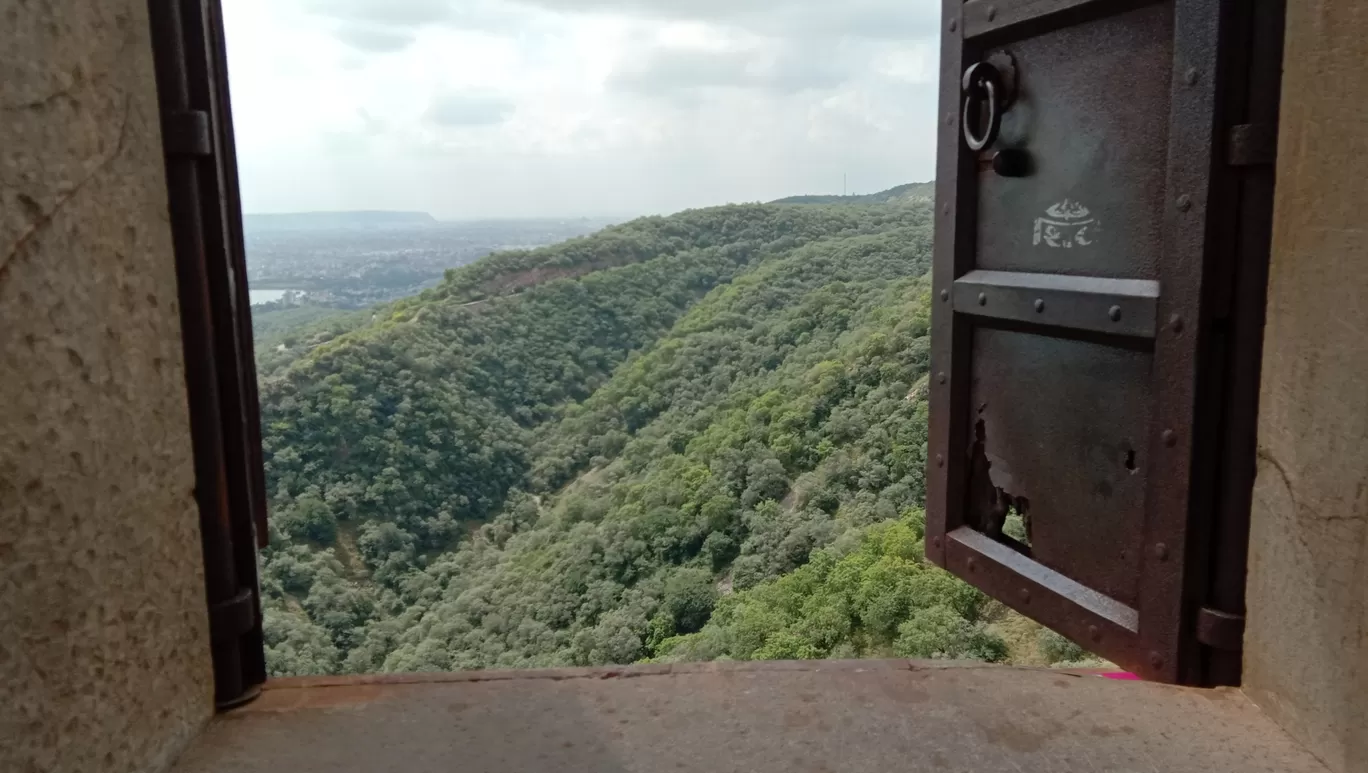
[[1220, 630], [1252, 144], [187, 133], [233, 617]]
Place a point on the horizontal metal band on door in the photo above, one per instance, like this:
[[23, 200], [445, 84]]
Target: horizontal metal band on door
[[1079, 612], [1127, 307], [984, 17]]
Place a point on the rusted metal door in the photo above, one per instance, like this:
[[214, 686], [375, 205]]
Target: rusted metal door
[[1103, 189], [206, 228]]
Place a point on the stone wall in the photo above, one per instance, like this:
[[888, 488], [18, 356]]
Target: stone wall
[[1306, 644], [103, 630]]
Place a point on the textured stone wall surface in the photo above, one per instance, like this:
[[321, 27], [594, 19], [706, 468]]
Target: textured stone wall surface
[[103, 632], [1306, 642]]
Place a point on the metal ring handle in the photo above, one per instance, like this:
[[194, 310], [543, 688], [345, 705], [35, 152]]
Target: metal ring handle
[[982, 78]]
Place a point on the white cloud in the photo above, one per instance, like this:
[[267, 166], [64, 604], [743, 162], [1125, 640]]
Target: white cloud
[[474, 108], [667, 71], [375, 39], [463, 109], [896, 19], [395, 12]]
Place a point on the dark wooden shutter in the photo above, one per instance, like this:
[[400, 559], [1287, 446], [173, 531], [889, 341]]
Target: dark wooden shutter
[[1099, 288], [206, 226]]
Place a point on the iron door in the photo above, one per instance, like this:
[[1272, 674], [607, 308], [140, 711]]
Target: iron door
[[189, 53], [1084, 243]]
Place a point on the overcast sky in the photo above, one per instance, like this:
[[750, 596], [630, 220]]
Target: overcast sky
[[505, 108]]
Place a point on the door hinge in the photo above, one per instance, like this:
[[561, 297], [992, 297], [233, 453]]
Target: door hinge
[[1220, 630], [233, 617], [1252, 144], [186, 133]]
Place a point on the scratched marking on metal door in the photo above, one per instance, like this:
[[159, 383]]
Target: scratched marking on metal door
[[1066, 224]]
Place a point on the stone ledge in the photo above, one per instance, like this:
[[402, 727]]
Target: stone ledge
[[892, 715]]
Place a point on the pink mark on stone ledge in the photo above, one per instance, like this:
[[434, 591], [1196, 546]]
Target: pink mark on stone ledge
[[1120, 675]]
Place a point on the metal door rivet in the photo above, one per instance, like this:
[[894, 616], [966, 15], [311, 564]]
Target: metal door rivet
[[949, 119], [1039, 305], [935, 542], [953, 25], [940, 460], [941, 377], [945, 295], [1094, 633], [973, 565], [1026, 595], [1191, 76], [1156, 660], [945, 209], [983, 299], [1176, 323], [992, 13], [1170, 439], [1184, 203], [1161, 551], [1114, 313]]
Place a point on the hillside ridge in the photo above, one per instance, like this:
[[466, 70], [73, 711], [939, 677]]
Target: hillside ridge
[[909, 193]]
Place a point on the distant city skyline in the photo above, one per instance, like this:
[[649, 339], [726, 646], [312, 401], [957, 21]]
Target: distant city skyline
[[470, 109]]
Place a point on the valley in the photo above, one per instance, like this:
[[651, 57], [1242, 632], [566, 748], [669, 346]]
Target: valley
[[690, 437]]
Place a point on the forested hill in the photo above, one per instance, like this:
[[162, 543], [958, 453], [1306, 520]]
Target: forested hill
[[911, 193], [693, 436]]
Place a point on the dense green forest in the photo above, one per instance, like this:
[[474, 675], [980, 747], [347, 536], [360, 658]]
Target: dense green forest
[[689, 437], [282, 332]]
